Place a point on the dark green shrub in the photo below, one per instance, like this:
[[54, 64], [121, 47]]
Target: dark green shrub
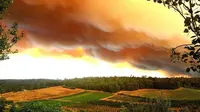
[[14, 108], [2, 104], [152, 105], [40, 107]]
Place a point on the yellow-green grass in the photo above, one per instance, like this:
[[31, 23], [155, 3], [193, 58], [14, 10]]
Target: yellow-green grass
[[127, 98], [40, 94], [177, 94], [77, 99], [85, 97]]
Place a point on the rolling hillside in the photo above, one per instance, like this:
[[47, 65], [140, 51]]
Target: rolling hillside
[[177, 94], [39, 94]]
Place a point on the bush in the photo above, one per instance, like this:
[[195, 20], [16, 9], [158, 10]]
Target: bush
[[14, 108], [153, 105], [2, 104], [40, 107]]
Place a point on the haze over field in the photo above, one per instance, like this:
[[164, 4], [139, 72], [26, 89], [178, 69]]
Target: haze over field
[[79, 38]]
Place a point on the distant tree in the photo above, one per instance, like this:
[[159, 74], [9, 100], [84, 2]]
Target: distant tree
[[8, 36], [187, 53], [1, 90]]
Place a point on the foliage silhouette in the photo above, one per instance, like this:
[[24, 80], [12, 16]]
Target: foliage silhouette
[[8, 36], [2, 104], [152, 105], [190, 12], [4, 6], [40, 107]]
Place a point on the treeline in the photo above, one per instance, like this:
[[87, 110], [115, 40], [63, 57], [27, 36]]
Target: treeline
[[114, 84], [19, 85], [108, 84]]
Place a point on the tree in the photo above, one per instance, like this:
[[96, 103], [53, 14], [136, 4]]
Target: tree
[[190, 12], [1, 90], [8, 36]]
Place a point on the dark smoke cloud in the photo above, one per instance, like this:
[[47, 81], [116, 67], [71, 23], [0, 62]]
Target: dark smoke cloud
[[144, 57], [65, 23]]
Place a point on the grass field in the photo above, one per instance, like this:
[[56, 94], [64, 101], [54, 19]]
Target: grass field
[[85, 97], [177, 94], [127, 98], [79, 99], [39, 94]]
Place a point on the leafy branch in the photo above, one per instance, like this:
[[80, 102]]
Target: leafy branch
[[8, 36], [190, 12]]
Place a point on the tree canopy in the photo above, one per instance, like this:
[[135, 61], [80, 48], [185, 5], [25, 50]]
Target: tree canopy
[[9, 36], [190, 12], [4, 4]]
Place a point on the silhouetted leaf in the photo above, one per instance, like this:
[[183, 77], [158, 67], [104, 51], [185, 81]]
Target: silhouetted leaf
[[191, 53], [197, 12], [180, 2], [191, 48], [194, 41], [159, 1], [185, 60], [184, 56], [187, 21], [188, 70], [193, 69], [186, 30], [191, 15], [192, 5], [190, 61]]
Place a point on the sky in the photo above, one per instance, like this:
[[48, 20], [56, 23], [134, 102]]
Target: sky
[[82, 38]]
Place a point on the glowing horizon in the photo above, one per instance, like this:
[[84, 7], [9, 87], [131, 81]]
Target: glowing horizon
[[32, 63], [52, 68]]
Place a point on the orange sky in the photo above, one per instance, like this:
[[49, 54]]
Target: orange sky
[[79, 38]]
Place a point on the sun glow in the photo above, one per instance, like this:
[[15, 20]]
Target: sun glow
[[31, 64], [34, 52]]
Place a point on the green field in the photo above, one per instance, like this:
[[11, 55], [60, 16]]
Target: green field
[[88, 99], [177, 94], [77, 99], [127, 98], [85, 97]]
